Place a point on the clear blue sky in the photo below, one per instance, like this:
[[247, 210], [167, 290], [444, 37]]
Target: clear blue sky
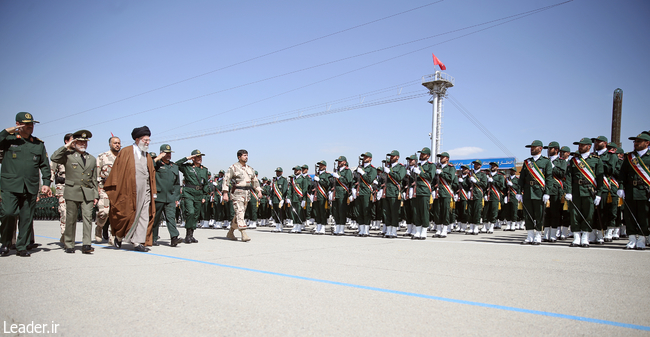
[[549, 76]]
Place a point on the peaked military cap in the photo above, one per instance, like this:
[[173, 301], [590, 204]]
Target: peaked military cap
[[82, 135], [25, 117], [166, 148], [535, 143]]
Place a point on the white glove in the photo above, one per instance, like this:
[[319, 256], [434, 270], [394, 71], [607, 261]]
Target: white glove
[[519, 197], [361, 171], [621, 194], [411, 193], [509, 183], [380, 194], [490, 180], [433, 194], [487, 198], [270, 203], [311, 197], [438, 171], [505, 200], [354, 193], [403, 195], [416, 170], [386, 169], [351, 198], [288, 202], [568, 197], [545, 198], [335, 175], [281, 203], [597, 200], [472, 179], [302, 204], [155, 196], [316, 179], [455, 197], [330, 196], [375, 182], [469, 195], [460, 180]]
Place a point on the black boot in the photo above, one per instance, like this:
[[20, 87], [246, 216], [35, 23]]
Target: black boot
[[176, 240], [188, 235], [87, 249], [193, 239]]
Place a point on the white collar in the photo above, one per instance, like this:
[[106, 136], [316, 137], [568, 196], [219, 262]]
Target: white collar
[[137, 152], [477, 171], [642, 152], [585, 155], [422, 162], [600, 152], [444, 165], [493, 173], [513, 177], [554, 157], [536, 157], [366, 164]]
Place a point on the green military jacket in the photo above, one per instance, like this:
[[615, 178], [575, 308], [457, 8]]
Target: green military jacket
[[23, 158], [394, 179], [476, 188], [578, 183], [366, 179], [196, 179], [498, 181], [168, 184], [635, 187], [279, 187], [80, 178], [610, 170], [556, 186], [463, 186], [323, 185], [511, 191], [342, 183], [530, 187], [297, 189], [425, 179], [447, 178]]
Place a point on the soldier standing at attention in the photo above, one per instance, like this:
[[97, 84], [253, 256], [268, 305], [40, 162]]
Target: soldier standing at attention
[[342, 178], [279, 191], [168, 188], [424, 172], [495, 183], [536, 175], [244, 180], [308, 198], [395, 172], [81, 188], [104, 164], [555, 190], [58, 177], [367, 174], [447, 184], [322, 179], [606, 212], [295, 195], [585, 182], [24, 156], [475, 183], [510, 203], [196, 180], [635, 189]]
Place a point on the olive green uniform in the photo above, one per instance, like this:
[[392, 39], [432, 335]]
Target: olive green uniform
[[167, 194], [194, 191]]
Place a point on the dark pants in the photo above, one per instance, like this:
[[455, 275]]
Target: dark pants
[[320, 213], [192, 211], [641, 212], [553, 216], [536, 210], [461, 211], [474, 210], [165, 211], [17, 205], [278, 213], [491, 210], [251, 210], [364, 216], [584, 205], [391, 209], [340, 210], [443, 211], [421, 215]]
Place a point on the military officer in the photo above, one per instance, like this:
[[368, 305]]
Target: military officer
[[634, 178], [511, 204], [295, 195], [366, 173], [308, 196], [253, 205], [104, 164], [536, 175], [24, 157], [81, 188], [395, 173], [495, 183], [322, 178], [196, 179], [585, 180], [555, 190], [423, 172], [340, 193], [606, 210], [565, 154], [58, 177], [244, 180], [167, 194], [462, 198], [279, 192], [476, 184], [447, 184], [264, 202], [219, 209]]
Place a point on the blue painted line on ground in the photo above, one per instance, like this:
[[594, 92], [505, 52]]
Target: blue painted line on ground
[[398, 292]]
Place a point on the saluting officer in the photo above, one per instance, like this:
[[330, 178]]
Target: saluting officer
[[24, 156], [196, 179], [585, 179], [81, 188], [168, 190]]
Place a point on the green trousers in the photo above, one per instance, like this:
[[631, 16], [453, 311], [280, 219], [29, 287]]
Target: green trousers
[[391, 210], [534, 214], [421, 210], [340, 210], [16, 205], [71, 222], [443, 210], [582, 207], [165, 211]]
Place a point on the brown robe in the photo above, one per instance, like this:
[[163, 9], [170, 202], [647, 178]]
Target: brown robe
[[120, 187]]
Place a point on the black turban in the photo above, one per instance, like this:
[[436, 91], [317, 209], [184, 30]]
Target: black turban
[[140, 132]]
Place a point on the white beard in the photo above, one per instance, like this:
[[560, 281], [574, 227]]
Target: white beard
[[81, 149], [143, 147]]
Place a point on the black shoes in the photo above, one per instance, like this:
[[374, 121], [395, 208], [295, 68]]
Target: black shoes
[[69, 250], [87, 249], [176, 240], [140, 248], [117, 243], [4, 250], [23, 253], [32, 246], [156, 243]]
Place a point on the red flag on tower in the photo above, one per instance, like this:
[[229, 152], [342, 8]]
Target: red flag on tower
[[437, 62]]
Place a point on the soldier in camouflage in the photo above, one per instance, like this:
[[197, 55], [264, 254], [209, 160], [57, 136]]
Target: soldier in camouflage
[[58, 177], [104, 164], [244, 181]]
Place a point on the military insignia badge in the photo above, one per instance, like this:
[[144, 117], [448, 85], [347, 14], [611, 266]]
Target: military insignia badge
[[83, 135], [635, 161], [168, 147], [28, 116], [198, 152], [13, 155], [74, 166]]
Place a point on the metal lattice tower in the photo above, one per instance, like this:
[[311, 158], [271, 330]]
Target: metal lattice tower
[[437, 84]]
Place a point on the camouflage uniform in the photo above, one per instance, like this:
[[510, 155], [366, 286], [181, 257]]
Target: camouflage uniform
[[58, 175], [244, 182], [104, 164]]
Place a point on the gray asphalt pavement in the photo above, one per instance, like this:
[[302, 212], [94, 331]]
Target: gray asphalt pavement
[[303, 284]]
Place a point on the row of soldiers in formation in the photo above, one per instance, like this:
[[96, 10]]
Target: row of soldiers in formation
[[567, 194]]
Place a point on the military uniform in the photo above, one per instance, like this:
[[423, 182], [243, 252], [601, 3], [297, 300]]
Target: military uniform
[[341, 180], [395, 173], [462, 200], [167, 195], [295, 195], [447, 184], [606, 210], [80, 191], [535, 176], [58, 177], [253, 205], [194, 190], [423, 173], [495, 183], [585, 180], [511, 204], [279, 191], [635, 190], [23, 159], [555, 190], [104, 164], [365, 175], [244, 180], [476, 184], [322, 180]]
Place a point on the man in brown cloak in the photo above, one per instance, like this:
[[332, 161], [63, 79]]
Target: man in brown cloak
[[131, 188]]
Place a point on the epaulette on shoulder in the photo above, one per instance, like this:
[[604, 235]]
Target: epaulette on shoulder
[[373, 166], [594, 155], [38, 139]]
